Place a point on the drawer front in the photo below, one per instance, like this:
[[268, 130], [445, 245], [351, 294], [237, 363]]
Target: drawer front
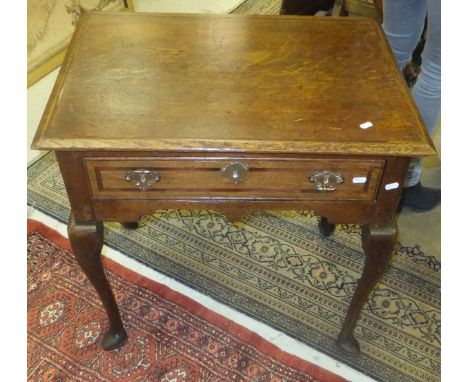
[[234, 178]]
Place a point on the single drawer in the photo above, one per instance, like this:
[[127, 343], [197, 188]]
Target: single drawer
[[234, 178]]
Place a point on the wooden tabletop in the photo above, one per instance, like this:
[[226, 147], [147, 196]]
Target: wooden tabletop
[[140, 81]]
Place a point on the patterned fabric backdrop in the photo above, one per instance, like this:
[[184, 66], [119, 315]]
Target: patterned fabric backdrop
[[255, 7], [50, 26]]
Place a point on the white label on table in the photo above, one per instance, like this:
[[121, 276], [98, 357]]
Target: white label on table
[[366, 125], [392, 186], [359, 179]]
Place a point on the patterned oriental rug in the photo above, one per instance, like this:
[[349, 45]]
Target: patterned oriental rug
[[277, 268], [171, 337]]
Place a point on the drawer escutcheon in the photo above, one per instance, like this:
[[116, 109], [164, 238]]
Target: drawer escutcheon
[[326, 180], [144, 178], [235, 172]]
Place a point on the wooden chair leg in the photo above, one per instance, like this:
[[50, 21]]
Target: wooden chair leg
[[339, 8], [379, 9]]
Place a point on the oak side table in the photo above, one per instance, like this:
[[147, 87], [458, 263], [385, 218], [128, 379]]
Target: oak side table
[[232, 113]]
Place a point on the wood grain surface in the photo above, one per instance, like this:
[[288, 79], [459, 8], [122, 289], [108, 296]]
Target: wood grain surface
[[231, 83]]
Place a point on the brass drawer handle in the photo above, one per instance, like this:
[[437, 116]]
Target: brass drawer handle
[[144, 178], [235, 172], [326, 180]]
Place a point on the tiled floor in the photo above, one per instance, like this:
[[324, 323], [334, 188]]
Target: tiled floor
[[408, 222]]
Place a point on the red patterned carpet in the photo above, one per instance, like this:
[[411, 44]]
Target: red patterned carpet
[[171, 337]]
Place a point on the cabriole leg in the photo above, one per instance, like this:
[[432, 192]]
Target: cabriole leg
[[326, 228], [86, 241], [130, 225], [377, 242]]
